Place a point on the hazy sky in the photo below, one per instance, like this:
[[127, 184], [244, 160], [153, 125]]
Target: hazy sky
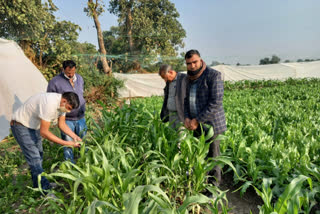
[[229, 31]]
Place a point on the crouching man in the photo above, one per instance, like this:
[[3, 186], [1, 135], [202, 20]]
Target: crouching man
[[32, 120]]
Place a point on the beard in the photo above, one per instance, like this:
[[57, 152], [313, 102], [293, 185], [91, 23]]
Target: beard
[[193, 73]]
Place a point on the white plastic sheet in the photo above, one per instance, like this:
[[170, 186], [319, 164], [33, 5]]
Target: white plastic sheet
[[146, 85], [280, 71], [141, 85], [19, 79]]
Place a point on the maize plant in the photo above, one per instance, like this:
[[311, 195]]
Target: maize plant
[[134, 163], [131, 163]]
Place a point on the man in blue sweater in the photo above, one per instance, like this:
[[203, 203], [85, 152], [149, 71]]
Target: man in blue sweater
[[69, 80]]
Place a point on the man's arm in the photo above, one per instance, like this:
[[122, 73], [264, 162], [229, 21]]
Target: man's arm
[[186, 109], [164, 114], [214, 101], [186, 104], [45, 132], [63, 127]]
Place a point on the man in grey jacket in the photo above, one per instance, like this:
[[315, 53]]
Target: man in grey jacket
[[174, 94]]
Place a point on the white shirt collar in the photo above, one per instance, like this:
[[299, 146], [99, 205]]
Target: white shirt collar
[[74, 78]]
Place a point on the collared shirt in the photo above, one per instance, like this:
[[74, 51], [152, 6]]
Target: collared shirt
[[39, 107], [171, 105], [74, 78]]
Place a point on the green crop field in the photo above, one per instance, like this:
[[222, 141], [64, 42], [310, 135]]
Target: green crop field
[[132, 162]]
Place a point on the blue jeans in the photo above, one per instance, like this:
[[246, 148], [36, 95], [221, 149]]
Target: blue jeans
[[31, 145], [79, 127]]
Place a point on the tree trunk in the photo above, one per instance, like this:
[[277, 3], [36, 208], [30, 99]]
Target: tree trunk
[[103, 52], [129, 26]]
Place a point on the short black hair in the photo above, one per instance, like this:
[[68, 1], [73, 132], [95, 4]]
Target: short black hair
[[190, 53], [68, 63], [72, 98]]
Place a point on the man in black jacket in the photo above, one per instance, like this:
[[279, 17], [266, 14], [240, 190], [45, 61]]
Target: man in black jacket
[[203, 104]]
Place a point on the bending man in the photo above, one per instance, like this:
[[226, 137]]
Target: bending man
[[32, 120]]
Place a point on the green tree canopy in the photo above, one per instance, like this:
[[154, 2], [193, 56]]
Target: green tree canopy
[[46, 41], [149, 31], [274, 60]]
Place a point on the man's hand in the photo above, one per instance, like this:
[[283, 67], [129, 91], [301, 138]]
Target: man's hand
[[194, 124], [77, 138], [77, 141], [76, 145], [187, 123]]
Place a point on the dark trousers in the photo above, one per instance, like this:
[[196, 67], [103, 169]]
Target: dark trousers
[[214, 151]]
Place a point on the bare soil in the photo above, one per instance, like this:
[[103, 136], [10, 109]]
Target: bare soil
[[249, 201]]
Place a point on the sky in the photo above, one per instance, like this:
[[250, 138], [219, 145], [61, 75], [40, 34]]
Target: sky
[[229, 31]]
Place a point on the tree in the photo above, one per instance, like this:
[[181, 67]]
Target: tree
[[25, 22], [124, 10], [85, 55], [264, 61], [94, 10], [214, 63], [113, 41], [149, 30], [44, 40], [274, 60]]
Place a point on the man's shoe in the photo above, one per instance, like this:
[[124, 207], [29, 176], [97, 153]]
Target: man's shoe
[[53, 185], [214, 181], [51, 196], [209, 195]]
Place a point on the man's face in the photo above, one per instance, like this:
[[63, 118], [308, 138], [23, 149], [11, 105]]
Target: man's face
[[64, 103], [169, 76], [70, 71], [193, 63]]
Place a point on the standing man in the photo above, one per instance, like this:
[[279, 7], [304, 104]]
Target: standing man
[[203, 104], [174, 94], [69, 80], [32, 120]]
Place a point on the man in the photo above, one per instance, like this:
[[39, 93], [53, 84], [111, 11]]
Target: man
[[174, 94], [32, 120], [203, 104], [69, 80]]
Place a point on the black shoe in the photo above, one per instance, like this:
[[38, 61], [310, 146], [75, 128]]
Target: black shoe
[[212, 180], [209, 194]]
